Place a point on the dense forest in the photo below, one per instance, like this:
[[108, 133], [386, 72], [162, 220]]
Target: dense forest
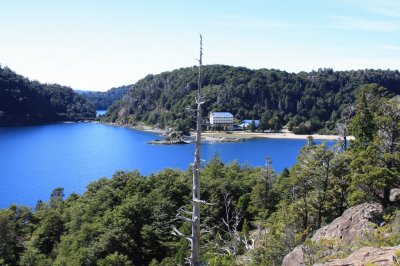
[[305, 102], [25, 102], [103, 100], [255, 215]]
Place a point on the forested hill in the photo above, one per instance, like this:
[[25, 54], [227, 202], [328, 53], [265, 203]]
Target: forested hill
[[102, 100], [25, 102], [255, 217], [307, 101]]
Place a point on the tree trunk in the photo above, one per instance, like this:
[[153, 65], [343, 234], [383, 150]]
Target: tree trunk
[[195, 255]]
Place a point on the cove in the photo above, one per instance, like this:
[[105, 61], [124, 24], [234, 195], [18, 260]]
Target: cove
[[36, 159]]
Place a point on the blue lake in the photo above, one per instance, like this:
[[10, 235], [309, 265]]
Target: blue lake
[[35, 160]]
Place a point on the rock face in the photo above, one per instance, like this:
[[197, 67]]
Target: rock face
[[354, 224], [295, 257], [383, 256], [395, 195]]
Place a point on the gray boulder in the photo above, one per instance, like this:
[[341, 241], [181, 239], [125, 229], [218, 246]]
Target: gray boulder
[[383, 256], [354, 224], [295, 258]]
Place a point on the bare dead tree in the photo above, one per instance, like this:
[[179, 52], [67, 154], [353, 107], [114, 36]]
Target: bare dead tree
[[234, 239], [195, 255], [269, 173], [194, 239]]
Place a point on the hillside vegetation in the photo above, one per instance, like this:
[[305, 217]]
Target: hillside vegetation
[[102, 100], [257, 216], [306, 102], [25, 102]]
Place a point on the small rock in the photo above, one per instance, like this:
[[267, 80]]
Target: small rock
[[395, 195]]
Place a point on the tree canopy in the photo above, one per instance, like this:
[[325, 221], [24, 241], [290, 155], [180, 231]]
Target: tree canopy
[[256, 215], [25, 102]]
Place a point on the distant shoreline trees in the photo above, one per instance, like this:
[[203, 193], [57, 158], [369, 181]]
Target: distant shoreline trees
[[102, 100], [304, 102], [25, 102]]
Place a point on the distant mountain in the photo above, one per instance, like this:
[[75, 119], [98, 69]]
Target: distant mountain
[[103, 100], [25, 102], [306, 102], [81, 91]]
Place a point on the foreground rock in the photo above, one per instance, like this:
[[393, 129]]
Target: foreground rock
[[383, 256], [355, 224], [295, 258]]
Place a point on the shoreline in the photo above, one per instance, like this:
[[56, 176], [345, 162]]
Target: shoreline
[[270, 135], [234, 136], [139, 128]]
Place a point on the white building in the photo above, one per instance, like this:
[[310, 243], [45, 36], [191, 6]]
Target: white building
[[220, 119]]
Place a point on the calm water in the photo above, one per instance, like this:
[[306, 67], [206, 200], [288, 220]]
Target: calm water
[[35, 160]]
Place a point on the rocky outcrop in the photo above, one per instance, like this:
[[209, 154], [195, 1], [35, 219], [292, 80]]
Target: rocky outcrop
[[383, 256], [168, 142], [354, 224], [295, 258]]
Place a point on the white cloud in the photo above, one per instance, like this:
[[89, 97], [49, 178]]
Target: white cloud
[[383, 8], [388, 8], [353, 23]]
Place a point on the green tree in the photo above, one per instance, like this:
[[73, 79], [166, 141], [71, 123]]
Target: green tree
[[340, 184], [264, 122], [263, 196], [56, 198], [8, 238], [377, 167], [313, 185], [363, 125], [276, 123], [48, 234], [115, 259]]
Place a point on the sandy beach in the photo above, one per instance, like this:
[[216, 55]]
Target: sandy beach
[[230, 136], [137, 127], [271, 135]]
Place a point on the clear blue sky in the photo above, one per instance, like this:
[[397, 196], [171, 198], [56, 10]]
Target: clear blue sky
[[99, 44]]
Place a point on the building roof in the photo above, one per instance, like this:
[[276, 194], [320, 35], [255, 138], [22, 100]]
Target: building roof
[[221, 114], [247, 121]]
